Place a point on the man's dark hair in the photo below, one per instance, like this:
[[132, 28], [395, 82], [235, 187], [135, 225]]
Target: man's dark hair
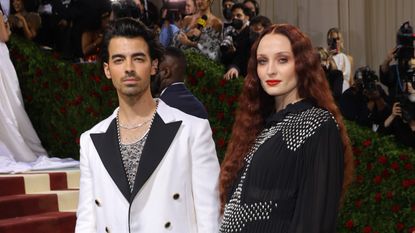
[[180, 61], [125, 8], [245, 9], [263, 20], [131, 28], [256, 5]]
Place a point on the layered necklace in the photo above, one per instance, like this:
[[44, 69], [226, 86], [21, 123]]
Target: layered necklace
[[131, 152]]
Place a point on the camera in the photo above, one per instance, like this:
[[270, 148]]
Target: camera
[[227, 41], [332, 42], [366, 78], [405, 42], [407, 107]]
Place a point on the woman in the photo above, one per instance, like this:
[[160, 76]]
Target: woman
[[201, 35], [22, 22], [91, 38], [343, 61], [20, 147], [289, 159]]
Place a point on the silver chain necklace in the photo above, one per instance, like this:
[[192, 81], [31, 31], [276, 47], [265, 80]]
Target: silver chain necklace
[[134, 126], [120, 126]]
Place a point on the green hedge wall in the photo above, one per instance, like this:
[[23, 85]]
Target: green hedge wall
[[64, 99]]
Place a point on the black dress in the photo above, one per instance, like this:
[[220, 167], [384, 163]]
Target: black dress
[[292, 178]]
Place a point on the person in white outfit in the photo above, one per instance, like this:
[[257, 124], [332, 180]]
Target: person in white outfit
[[343, 61], [20, 147]]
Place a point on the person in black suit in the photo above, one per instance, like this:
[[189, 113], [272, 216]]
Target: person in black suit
[[172, 89]]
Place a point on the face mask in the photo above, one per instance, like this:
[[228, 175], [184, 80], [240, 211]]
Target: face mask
[[237, 24], [411, 98], [253, 36], [227, 13]]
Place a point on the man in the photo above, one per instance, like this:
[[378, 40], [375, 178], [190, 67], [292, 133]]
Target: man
[[148, 167], [174, 93], [235, 56]]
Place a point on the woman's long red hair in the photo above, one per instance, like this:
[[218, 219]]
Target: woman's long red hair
[[255, 105]]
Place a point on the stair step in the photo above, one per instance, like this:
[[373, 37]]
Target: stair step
[[11, 186], [39, 181], [56, 222], [29, 204], [67, 199]]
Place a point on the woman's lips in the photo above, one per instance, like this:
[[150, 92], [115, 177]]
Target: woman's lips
[[273, 82]]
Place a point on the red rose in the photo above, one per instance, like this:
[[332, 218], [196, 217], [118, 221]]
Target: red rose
[[382, 159], [95, 78], [367, 229], [377, 179], [45, 85], [408, 166], [77, 140], [200, 74], [403, 157], [106, 88], [62, 110], [359, 179], [356, 162], [358, 203], [369, 166], [349, 224], [367, 143], [222, 82], [385, 174], [220, 115], [356, 151], [38, 72], [74, 131], [221, 142], [222, 97], [395, 166], [378, 197], [395, 208], [413, 207], [400, 226], [77, 69], [191, 80], [389, 195]]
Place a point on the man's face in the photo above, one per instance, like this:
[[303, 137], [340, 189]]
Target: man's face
[[130, 66], [238, 13]]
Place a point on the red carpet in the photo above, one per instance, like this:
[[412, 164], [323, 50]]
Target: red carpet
[[40, 202]]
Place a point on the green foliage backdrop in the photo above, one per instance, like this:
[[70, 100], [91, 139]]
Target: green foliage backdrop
[[64, 99]]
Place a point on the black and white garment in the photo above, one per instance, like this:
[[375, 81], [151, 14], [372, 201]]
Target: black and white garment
[[292, 177]]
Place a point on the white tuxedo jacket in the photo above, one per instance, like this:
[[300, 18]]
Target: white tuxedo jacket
[[176, 186]]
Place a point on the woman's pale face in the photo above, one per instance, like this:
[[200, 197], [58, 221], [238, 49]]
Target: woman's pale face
[[276, 69], [190, 7]]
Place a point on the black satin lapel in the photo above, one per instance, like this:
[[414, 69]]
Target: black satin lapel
[[107, 147], [158, 142]]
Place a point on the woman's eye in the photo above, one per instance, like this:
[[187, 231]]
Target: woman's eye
[[261, 61], [283, 60]]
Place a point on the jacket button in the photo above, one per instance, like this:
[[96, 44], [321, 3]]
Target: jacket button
[[97, 202], [107, 229], [167, 225], [176, 196]]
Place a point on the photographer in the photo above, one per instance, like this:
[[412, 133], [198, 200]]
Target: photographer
[[364, 102], [396, 68], [343, 61], [236, 44], [401, 122]]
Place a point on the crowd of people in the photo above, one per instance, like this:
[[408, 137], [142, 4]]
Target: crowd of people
[[152, 164]]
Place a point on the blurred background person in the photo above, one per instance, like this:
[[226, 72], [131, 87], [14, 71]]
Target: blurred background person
[[257, 24], [343, 61], [201, 32], [227, 13], [365, 101], [92, 37], [401, 121], [253, 5], [333, 75], [172, 90], [23, 22]]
